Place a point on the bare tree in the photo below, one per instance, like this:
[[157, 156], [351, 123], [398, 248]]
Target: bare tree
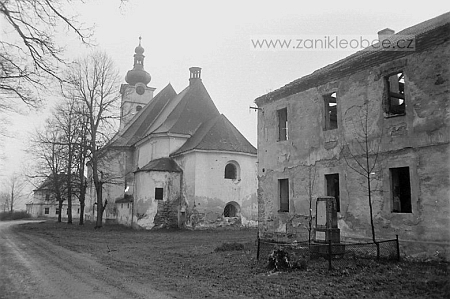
[[310, 190], [94, 81], [50, 155], [4, 201], [30, 55], [15, 186], [67, 121], [361, 151]]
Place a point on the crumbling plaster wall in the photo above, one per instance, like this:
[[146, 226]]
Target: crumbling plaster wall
[[205, 186], [123, 213], [419, 139], [149, 212]]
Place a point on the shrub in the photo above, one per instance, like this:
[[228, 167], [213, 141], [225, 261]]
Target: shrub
[[281, 260], [14, 215]]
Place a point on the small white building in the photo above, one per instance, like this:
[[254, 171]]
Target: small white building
[[44, 203], [176, 160]]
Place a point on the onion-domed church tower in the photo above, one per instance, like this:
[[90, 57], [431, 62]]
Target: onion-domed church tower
[[135, 93]]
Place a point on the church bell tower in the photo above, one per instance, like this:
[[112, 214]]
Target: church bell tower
[[135, 93]]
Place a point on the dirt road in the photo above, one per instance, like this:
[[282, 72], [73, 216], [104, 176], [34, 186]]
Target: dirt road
[[31, 267]]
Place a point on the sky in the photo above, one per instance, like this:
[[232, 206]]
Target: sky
[[216, 36]]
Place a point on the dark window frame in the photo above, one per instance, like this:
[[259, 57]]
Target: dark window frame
[[330, 111], [332, 187], [159, 193], [283, 195], [46, 211], [401, 195], [283, 125], [395, 93]]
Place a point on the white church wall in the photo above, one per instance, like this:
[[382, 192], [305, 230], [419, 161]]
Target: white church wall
[[207, 187]]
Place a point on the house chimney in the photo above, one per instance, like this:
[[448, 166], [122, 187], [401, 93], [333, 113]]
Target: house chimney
[[195, 74], [385, 34]]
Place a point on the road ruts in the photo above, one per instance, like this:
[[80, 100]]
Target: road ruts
[[31, 267]]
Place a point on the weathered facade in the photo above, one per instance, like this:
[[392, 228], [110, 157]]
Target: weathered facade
[[382, 115], [176, 161]]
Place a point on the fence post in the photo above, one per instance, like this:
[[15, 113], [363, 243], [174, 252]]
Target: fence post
[[329, 254], [257, 250], [398, 248]]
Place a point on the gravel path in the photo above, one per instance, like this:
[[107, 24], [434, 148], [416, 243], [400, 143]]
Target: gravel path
[[31, 267]]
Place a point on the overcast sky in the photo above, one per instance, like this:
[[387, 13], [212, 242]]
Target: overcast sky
[[216, 36]]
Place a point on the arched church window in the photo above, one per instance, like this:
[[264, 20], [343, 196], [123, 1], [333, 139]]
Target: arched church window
[[230, 171]]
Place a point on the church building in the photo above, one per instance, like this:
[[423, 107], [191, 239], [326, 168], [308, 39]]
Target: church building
[[176, 161]]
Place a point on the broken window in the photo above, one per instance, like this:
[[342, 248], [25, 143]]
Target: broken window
[[283, 186], [282, 124], [330, 111], [230, 171], [46, 211], [159, 192], [396, 94], [401, 190], [332, 181]]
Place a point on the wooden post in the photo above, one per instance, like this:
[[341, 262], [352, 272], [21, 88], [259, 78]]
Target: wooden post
[[329, 255], [398, 248], [257, 250]]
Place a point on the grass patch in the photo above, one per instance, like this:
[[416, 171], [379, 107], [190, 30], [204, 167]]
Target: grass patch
[[234, 246], [222, 264]]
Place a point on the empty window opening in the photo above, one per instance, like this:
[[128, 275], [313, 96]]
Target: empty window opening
[[282, 124], [230, 211], [159, 193], [47, 197], [396, 94], [283, 186], [330, 111], [332, 181], [46, 211], [78, 211], [401, 190], [57, 211], [230, 171]]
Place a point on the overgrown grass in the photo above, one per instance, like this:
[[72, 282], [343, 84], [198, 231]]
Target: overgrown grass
[[14, 215], [234, 246]]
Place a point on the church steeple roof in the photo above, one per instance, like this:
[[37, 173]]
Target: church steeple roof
[[138, 74]]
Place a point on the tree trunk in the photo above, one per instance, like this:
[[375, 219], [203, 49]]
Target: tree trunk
[[60, 202], [69, 199], [81, 212], [69, 183], [99, 221]]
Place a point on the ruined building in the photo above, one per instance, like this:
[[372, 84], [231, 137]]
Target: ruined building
[[176, 161], [381, 114]]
